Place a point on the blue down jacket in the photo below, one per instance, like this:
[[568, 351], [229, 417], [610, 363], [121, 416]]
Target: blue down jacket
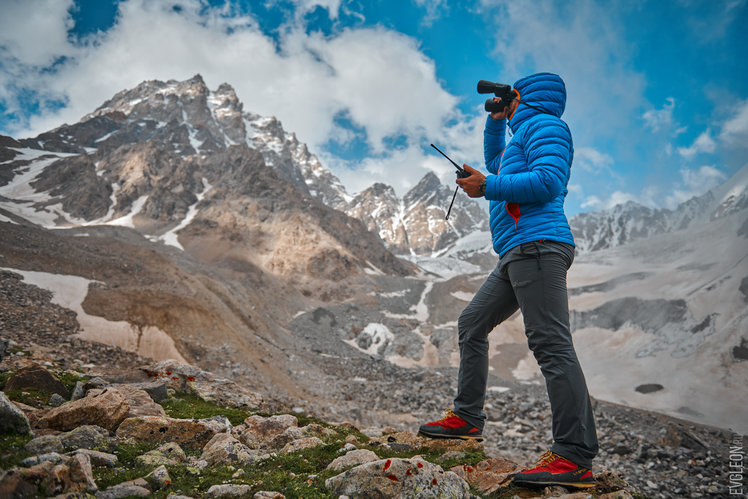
[[530, 174]]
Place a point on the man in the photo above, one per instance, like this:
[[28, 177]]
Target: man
[[526, 188]]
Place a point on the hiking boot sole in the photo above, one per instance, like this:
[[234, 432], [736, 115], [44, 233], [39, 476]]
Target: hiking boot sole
[[551, 483], [477, 438]]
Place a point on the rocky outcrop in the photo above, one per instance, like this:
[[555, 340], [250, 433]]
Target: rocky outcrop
[[188, 433], [106, 408], [398, 478]]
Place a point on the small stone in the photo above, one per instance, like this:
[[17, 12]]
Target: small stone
[[158, 478], [229, 490], [56, 400], [264, 494], [123, 490], [170, 454], [78, 391], [224, 449]]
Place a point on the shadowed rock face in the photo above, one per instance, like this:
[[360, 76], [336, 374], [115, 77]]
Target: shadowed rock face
[[649, 315]]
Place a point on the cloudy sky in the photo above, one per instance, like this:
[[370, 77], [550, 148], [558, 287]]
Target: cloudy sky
[[657, 90]]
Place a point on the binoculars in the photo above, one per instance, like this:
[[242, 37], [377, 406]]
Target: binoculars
[[501, 90]]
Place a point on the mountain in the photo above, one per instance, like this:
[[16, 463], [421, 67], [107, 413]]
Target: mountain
[[631, 221]]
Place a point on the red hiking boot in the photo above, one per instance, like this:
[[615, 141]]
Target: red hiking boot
[[451, 426], [552, 469]]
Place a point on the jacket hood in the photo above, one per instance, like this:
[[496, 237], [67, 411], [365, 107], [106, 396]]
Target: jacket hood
[[544, 91]]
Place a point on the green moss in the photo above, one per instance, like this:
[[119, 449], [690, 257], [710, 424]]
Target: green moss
[[11, 450], [69, 378], [4, 379], [185, 406], [34, 397]]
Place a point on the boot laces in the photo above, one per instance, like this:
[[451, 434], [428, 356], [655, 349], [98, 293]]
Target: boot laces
[[447, 415], [546, 458]]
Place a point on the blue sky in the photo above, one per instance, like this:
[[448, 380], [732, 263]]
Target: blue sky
[[657, 90]]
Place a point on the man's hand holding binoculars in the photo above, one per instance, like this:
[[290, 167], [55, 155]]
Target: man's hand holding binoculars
[[474, 185]]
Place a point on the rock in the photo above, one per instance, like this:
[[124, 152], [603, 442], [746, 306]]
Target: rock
[[44, 444], [158, 478], [258, 432], [229, 490], [106, 408], [219, 424], [3, 348], [264, 494], [80, 472], [352, 458], [56, 400], [35, 377], [48, 478], [51, 457], [450, 455], [489, 475], [97, 382], [619, 494], [86, 437], [451, 444], [141, 404], [300, 444], [170, 454], [123, 490], [188, 433], [224, 449], [610, 481], [155, 389], [174, 496], [78, 391], [12, 419], [97, 458], [398, 478]]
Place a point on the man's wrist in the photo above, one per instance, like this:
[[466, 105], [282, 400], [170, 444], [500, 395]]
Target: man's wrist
[[483, 187]]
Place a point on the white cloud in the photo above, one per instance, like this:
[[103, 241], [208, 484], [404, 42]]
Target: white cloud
[[660, 119], [305, 6], [735, 130], [694, 183], [704, 143], [35, 31], [306, 80], [592, 160], [618, 197], [587, 49]]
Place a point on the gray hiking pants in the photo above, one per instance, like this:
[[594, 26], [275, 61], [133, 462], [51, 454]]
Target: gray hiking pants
[[532, 278]]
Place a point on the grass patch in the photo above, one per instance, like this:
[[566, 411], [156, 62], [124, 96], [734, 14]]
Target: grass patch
[[69, 378], [4, 379], [11, 449], [34, 397], [186, 406]]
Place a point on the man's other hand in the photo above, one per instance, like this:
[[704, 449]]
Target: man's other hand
[[471, 185]]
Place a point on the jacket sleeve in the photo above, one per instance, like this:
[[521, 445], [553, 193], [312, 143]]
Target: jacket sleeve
[[548, 150], [493, 143]]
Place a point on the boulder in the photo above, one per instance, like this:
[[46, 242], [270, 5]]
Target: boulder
[[44, 444], [189, 433], [56, 400], [155, 389], [169, 454], [78, 391], [229, 490], [106, 408], [86, 437], [12, 419], [124, 490], [141, 404], [265, 494], [35, 377], [489, 475], [48, 478], [97, 458], [51, 457], [353, 458], [224, 449], [398, 478], [300, 444], [258, 432]]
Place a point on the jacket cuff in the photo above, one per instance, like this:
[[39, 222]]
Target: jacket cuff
[[492, 188], [495, 126]]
